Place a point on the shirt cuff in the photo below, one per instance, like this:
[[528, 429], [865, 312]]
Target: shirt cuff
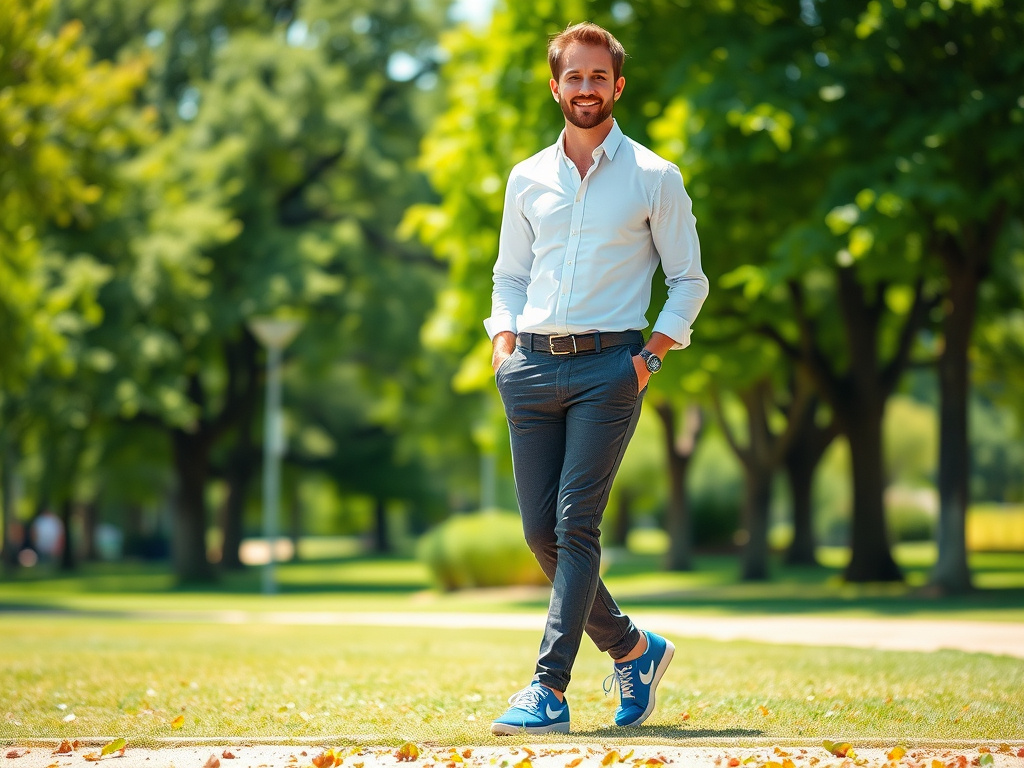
[[498, 323], [675, 328]]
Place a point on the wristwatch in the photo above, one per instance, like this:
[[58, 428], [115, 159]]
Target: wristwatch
[[652, 360]]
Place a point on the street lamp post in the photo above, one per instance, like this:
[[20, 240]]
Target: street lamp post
[[274, 335]]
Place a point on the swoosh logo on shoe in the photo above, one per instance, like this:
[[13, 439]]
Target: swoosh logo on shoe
[[552, 715], [646, 678]]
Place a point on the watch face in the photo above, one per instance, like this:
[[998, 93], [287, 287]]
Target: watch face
[[652, 360]]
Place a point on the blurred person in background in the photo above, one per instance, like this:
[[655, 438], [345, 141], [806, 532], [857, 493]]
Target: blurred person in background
[[47, 536], [585, 224]]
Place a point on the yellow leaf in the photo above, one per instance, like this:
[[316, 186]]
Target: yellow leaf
[[771, 764], [117, 745], [467, 753], [787, 763], [609, 758], [455, 757], [529, 751], [64, 748], [626, 756], [764, 711], [407, 753], [780, 752], [938, 764], [574, 763], [897, 752], [524, 763], [177, 722], [92, 757]]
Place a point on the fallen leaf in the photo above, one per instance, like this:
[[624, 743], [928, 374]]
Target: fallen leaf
[[772, 764], [780, 752], [897, 752], [64, 748], [467, 753], [787, 763], [455, 757], [626, 756], [734, 762], [609, 758], [407, 753], [836, 748], [574, 763], [686, 715], [92, 757], [1020, 752], [14, 754], [213, 762], [529, 751], [764, 711], [117, 745], [985, 750], [524, 763], [326, 759], [986, 759], [177, 722], [227, 755], [938, 764]]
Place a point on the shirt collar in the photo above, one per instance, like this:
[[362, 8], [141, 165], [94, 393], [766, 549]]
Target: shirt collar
[[609, 146]]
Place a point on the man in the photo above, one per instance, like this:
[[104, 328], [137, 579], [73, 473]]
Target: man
[[584, 226]]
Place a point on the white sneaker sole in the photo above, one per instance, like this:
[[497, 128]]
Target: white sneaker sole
[[504, 729], [670, 651]]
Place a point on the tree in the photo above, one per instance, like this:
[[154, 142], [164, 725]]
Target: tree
[[64, 119]]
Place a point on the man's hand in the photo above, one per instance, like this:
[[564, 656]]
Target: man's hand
[[504, 345], [659, 344]]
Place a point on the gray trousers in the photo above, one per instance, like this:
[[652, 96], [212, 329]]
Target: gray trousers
[[570, 418]]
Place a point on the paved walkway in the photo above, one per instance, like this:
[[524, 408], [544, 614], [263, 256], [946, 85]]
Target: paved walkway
[[1002, 638]]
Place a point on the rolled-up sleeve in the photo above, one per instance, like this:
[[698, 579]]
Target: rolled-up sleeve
[[674, 231], [512, 268]]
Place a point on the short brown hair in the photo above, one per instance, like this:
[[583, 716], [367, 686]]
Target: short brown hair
[[585, 33]]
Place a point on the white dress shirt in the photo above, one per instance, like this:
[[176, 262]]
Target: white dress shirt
[[578, 255]]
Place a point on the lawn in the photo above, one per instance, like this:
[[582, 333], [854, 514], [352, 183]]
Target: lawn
[[132, 679]]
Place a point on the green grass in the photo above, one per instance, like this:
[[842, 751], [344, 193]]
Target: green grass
[[350, 685], [397, 584]]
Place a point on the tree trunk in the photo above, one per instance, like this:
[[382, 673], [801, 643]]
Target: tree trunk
[[381, 539], [756, 503], [294, 516], [90, 517], [800, 466], [191, 461], [679, 450], [67, 553], [801, 461], [871, 555], [951, 574], [8, 460]]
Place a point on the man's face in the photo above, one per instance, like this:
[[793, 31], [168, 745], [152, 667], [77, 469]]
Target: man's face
[[586, 90]]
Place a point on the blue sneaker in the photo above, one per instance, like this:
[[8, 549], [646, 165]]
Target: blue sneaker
[[638, 680], [534, 710]]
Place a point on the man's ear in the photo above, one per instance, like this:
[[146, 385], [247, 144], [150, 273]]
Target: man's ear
[[553, 84], [619, 85]]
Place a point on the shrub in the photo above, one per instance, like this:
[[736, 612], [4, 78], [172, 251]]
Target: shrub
[[910, 524], [482, 549]]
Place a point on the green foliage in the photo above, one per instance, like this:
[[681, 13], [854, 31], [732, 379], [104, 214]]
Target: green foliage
[[482, 549], [65, 119], [910, 524]]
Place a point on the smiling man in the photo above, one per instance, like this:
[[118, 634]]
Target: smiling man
[[585, 224]]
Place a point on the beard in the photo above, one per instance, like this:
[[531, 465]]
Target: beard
[[593, 117]]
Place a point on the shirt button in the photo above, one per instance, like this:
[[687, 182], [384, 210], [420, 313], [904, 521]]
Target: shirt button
[[575, 232]]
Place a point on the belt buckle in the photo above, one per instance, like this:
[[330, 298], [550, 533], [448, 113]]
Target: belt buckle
[[551, 344]]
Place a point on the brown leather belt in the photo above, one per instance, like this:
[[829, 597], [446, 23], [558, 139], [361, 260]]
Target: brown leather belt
[[577, 344]]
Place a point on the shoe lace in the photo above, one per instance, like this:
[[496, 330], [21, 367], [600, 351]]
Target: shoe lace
[[528, 698], [622, 676]]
